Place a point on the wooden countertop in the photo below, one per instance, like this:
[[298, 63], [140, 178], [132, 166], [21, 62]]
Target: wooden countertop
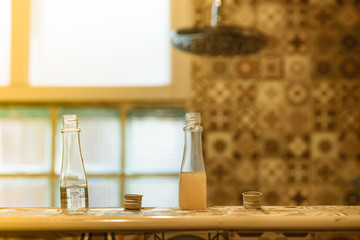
[[309, 218]]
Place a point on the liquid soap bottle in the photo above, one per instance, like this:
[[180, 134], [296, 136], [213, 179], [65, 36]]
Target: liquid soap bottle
[[192, 184], [73, 182]]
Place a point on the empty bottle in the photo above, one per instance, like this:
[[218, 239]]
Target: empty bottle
[[192, 184], [73, 182]]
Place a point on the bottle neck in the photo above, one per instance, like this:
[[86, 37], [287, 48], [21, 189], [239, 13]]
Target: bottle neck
[[72, 168], [193, 156]]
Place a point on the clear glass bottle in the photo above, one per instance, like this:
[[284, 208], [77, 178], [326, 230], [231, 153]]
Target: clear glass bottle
[[73, 182], [192, 184]]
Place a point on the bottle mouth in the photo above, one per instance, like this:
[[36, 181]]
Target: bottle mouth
[[192, 118], [70, 121]]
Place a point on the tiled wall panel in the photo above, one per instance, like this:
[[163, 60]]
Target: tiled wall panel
[[286, 120]]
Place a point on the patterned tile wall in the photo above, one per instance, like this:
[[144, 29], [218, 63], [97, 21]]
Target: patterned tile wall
[[284, 121]]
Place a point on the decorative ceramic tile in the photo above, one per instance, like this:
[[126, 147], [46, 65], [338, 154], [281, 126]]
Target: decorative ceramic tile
[[245, 171], [349, 119], [350, 146], [298, 171], [270, 94], [297, 16], [244, 15], [297, 93], [273, 171], [327, 194], [297, 194], [246, 145], [219, 144], [272, 145], [216, 118], [271, 17], [219, 92], [297, 67], [348, 16], [244, 92], [324, 145], [349, 42], [349, 93], [298, 146], [272, 118], [325, 118], [245, 119], [325, 42], [323, 67], [298, 121], [322, 15], [245, 67], [323, 92], [349, 67], [349, 170], [220, 169], [271, 66], [297, 42]]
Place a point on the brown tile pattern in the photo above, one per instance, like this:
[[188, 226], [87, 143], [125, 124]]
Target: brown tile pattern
[[284, 121]]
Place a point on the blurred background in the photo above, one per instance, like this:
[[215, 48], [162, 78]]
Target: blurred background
[[284, 121]]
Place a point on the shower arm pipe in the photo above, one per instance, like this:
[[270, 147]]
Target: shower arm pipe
[[216, 12]]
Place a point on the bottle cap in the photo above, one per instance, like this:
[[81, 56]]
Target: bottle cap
[[70, 121], [192, 118]]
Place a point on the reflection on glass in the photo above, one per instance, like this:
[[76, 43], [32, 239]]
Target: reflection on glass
[[24, 192], [126, 44], [5, 33], [100, 139], [25, 140], [156, 191], [154, 141]]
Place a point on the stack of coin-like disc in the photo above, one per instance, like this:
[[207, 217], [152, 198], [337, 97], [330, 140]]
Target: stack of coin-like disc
[[133, 201], [252, 199]]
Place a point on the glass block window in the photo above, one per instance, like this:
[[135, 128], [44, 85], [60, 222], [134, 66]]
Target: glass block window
[[154, 141], [126, 44], [5, 46], [156, 191], [100, 139], [104, 192], [25, 192], [25, 135]]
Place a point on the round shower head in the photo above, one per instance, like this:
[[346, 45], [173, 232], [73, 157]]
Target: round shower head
[[217, 40]]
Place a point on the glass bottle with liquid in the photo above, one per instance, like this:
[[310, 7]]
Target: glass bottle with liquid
[[192, 184], [73, 182]]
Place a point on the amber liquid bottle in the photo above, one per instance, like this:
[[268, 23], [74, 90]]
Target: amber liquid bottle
[[192, 184]]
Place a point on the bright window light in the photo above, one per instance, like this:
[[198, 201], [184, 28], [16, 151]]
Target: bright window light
[[25, 140], [156, 191], [25, 192], [99, 43], [154, 141], [5, 46]]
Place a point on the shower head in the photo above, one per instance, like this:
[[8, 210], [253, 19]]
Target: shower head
[[217, 40]]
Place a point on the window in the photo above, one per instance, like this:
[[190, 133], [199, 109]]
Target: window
[[5, 31], [52, 65], [147, 162]]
